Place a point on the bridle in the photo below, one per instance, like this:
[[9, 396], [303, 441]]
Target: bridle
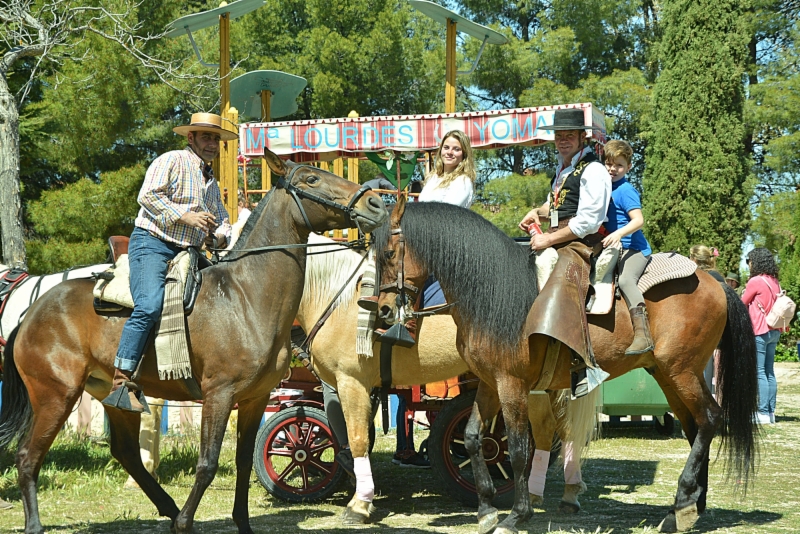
[[297, 194], [400, 285]]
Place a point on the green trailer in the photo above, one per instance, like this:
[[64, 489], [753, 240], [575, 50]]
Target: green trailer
[[637, 393]]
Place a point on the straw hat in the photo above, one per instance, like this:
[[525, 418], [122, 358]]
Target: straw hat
[[206, 122]]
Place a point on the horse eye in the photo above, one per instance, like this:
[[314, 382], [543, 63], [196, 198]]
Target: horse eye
[[389, 254], [312, 179]]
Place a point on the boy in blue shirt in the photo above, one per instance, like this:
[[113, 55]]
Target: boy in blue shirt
[[624, 224]]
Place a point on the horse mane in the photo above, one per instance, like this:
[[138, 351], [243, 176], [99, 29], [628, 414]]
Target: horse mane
[[327, 273], [491, 277], [251, 221]]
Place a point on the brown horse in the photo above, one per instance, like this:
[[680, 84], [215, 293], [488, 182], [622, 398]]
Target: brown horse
[[239, 343], [492, 282], [434, 357]]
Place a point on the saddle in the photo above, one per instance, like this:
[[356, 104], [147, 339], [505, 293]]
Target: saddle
[[112, 290], [9, 280]]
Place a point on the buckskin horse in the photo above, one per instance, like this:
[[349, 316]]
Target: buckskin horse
[[434, 357], [492, 282], [238, 334]]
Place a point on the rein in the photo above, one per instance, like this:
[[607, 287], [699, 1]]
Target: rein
[[306, 346]]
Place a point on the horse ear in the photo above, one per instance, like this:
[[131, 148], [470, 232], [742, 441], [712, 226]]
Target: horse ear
[[399, 209], [276, 164]]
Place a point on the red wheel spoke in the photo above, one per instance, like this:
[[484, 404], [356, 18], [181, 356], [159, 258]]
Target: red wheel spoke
[[304, 471], [286, 471], [326, 469], [280, 452]]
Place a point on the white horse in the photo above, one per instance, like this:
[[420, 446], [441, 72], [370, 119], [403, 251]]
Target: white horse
[[33, 287], [433, 358]]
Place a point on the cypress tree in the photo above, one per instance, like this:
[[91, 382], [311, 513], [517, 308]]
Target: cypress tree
[[696, 185]]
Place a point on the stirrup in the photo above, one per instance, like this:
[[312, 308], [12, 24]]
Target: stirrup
[[120, 399], [590, 379]]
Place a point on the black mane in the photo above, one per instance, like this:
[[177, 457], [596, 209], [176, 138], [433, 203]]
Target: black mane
[[490, 276]]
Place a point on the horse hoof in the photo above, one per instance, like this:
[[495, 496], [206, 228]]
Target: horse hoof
[[358, 512], [488, 522], [685, 518], [569, 507], [537, 501], [668, 524]]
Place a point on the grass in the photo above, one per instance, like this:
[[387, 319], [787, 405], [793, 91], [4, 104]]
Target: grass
[[632, 475]]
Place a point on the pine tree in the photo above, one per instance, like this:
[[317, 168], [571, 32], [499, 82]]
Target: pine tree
[[696, 184]]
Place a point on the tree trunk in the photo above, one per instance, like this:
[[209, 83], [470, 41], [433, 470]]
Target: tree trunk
[[10, 206]]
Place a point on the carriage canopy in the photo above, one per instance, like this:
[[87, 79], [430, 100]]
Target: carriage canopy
[[326, 139]]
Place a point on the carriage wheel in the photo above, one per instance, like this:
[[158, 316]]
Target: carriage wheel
[[451, 463], [667, 428], [294, 455]]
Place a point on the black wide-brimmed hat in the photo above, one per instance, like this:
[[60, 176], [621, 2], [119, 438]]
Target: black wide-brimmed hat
[[567, 119]]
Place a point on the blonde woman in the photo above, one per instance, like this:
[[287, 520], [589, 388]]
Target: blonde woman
[[706, 260], [453, 177]]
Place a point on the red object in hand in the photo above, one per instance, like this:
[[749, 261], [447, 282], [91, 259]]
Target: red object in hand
[[535, 229]]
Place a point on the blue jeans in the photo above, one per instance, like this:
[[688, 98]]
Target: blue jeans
[[765, 370], [405, 429], [148, 258]]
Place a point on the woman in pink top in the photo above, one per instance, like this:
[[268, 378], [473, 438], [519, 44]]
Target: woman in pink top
[[759, 296]]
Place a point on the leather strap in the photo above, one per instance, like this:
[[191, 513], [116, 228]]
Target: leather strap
[[386, 382], [548, 366]]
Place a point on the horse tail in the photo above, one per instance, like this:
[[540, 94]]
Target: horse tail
[[16, 413], [738, 387], [578, 420]]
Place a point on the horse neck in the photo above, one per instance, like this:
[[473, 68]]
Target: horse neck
[[325, 276]]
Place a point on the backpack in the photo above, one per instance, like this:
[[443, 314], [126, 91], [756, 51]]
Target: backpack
[[781, 312]]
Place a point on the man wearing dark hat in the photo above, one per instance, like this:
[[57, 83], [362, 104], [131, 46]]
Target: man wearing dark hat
[[732, 279], [181, 207], [576, 207]]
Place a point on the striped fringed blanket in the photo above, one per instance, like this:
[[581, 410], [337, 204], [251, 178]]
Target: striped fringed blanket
[[172, 351], [366, 318], [665, 266]]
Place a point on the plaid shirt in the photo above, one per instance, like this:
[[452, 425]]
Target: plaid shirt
[[175, 184]]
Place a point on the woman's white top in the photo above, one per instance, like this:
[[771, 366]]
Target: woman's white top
[[458, 192]]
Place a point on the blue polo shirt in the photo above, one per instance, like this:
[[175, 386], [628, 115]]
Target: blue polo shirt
[[625, 198]]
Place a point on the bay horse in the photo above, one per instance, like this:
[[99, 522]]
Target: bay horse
[[433, 358], [492, 281], [238, 335]]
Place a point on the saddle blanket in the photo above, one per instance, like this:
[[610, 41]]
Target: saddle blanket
[[172, 350], [663, 266]]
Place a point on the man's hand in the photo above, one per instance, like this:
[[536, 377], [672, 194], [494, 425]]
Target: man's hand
[[202, 220], [530, 218], [540, 242]]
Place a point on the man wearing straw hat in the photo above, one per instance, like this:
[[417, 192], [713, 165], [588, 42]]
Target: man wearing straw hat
[[576, 208], [181, 207]]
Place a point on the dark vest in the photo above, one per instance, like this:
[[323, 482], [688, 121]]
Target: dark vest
[[569, 193]]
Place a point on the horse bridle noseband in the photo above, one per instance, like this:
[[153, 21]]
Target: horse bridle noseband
[[297, 194]]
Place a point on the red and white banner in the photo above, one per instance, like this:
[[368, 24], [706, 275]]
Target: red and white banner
[[326, 139]]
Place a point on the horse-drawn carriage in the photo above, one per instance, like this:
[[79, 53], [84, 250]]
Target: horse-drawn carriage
[[295, 458]]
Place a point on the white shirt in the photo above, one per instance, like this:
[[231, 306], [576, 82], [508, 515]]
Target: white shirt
[[458, 192], [594, 197]]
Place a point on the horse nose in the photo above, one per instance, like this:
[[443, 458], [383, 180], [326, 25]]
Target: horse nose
[[375, 203], [385, 313]]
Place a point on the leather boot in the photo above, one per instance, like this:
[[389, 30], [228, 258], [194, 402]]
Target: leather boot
[[122, 379], [642, 342]]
